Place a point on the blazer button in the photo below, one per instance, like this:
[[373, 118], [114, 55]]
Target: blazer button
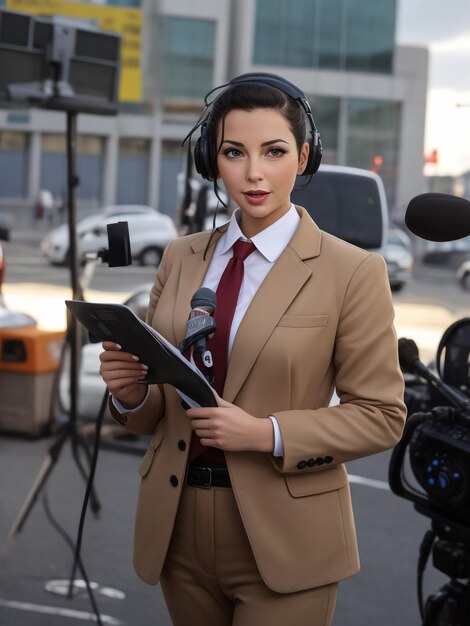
[[302, 464], [174, 480], [320, 461], [311, 462], [182, 444], [328, 459]]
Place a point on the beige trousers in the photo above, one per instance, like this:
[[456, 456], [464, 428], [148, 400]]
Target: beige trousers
[[210, 577]]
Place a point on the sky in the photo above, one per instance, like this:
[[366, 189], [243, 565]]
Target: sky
[[444, 28]]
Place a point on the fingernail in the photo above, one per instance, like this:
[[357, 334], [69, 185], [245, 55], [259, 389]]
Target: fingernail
[[135, 358], [118, 346], [145, 367]]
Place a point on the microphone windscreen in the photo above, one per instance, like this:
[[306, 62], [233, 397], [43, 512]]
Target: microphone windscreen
[[204, 298], [408, 353], [438, 217]]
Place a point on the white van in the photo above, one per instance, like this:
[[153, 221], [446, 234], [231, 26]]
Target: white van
[[349, 203]]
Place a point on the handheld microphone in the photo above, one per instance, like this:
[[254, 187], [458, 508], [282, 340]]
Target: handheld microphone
[[200, 323], [408, 355], [438, 217]]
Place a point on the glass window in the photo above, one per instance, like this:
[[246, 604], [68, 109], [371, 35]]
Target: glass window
[[331, 34], [370, 35], [283, 32], [133, 171], [326, 116], [345, 205], [14, 151], [187, 53], [89, 166], [268, 32], [372, 141]]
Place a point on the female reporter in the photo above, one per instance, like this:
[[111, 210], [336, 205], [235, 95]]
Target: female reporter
[[249, 521]]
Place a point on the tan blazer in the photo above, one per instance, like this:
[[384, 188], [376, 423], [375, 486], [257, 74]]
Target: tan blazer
[[323, 317]]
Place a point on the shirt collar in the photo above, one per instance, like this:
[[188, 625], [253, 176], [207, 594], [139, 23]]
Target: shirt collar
[[271, 241]]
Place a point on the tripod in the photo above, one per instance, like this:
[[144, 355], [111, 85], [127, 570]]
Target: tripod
[[450, 543], [68, 430]]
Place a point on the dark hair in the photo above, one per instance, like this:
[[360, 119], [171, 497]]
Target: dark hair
[[248, 97]]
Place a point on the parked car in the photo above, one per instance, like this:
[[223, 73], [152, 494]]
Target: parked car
[[349, 203], [463, 275], [446, 253], [149, 233], [399, 258]]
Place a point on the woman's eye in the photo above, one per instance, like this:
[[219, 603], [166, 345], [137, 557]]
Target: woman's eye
[[276, 152], [232, 153]]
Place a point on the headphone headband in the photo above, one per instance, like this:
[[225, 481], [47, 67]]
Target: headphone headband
[[202, 152]]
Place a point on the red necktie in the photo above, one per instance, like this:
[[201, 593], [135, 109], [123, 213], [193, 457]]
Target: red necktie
[[227, 298]]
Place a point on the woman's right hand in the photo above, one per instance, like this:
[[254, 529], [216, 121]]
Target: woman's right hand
[[121, 372]]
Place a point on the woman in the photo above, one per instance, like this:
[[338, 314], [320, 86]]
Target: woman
[[258, 529]]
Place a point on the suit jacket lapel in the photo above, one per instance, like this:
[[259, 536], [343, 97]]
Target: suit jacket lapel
[[274, 296], [193, 270]]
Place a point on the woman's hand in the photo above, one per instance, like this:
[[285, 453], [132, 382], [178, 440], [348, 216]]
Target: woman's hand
[[229, 427], [121, 372]]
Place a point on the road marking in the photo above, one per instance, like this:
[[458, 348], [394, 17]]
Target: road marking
[[52, 610], [61, 588], [369, 482]]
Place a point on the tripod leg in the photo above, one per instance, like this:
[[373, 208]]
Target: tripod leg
[[38, 483], [78, 441]]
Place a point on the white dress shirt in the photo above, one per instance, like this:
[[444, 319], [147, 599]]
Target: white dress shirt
[[270, 243]]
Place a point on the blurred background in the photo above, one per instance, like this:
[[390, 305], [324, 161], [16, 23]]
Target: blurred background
[[389, 86]]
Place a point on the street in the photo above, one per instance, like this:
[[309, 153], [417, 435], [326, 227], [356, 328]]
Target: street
[[389, 529]]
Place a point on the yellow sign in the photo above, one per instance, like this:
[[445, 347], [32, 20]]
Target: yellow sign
[[127, 21]]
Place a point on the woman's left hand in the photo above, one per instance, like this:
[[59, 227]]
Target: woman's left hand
[[229, 427]]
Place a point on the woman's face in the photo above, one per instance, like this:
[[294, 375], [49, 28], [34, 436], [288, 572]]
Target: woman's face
[[258, 162]]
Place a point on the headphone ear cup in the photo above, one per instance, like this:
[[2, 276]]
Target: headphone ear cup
[[202, 159], [314, 155]]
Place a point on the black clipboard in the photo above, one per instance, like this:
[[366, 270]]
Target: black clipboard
[[118, 323]]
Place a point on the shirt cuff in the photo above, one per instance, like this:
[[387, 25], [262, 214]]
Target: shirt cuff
[[125, 411], [278, 445]]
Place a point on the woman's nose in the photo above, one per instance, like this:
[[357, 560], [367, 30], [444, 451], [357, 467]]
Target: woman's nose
[[254, 171]]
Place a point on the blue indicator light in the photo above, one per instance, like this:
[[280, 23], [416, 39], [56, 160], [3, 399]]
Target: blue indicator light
[[435, 462], [429, 468], [456, 475], [431, 482], [443, 482]]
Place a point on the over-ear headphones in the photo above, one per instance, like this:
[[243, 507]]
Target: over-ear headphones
[[205, 165]]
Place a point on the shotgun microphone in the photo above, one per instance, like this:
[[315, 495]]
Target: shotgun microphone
[[409, 362], [438, 217]]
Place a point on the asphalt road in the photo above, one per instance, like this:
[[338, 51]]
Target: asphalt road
[[389, 529]]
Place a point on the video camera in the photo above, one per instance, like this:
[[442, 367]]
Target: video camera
[[437, 433]]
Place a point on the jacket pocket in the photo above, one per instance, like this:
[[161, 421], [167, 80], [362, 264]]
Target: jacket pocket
[[303, 321], [300, 485], [155, 442]]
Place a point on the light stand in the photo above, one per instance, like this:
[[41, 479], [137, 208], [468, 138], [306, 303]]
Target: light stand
[[68, 430], [71, 66]]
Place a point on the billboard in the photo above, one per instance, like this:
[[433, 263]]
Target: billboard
[[123, 20]]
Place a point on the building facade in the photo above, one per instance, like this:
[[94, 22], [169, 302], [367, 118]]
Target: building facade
[[368, 95]]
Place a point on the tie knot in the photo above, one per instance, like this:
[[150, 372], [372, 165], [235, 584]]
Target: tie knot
[[242, 249]]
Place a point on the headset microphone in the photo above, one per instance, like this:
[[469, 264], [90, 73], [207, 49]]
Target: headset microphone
[[203, 154]]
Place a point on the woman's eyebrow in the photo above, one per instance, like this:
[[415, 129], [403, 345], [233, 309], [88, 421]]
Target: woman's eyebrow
[[263, 145]]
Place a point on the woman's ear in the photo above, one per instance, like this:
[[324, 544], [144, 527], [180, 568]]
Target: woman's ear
[[303, 158]]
